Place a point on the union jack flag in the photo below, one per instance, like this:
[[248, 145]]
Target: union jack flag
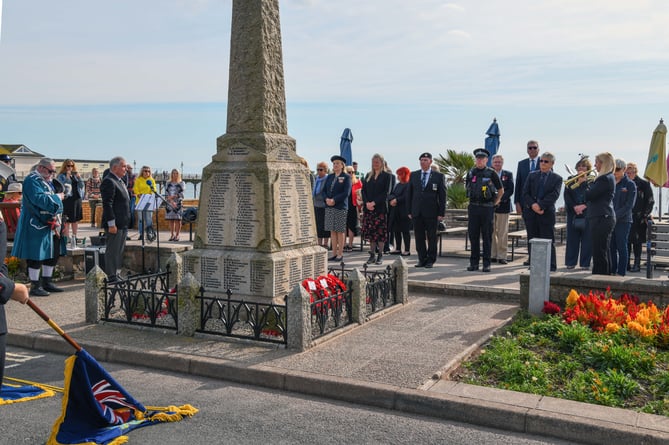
[[99, 410]]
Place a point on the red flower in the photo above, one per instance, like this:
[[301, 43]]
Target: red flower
[[550, 308]]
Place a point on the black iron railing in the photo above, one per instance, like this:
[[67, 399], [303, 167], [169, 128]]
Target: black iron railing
[[242, 319], [381, 286], [330, 312], [142, 300]]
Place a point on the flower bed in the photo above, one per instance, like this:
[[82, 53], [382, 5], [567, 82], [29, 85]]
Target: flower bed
[[598, 349]]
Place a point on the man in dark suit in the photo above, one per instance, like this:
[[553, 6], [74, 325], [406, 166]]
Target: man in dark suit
[[540, 192], [641, 213], [427, 198], [525, 167], [115, 216]]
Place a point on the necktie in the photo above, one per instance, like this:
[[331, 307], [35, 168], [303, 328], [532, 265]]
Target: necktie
[[542, 182], [424, 179], [534, 165]]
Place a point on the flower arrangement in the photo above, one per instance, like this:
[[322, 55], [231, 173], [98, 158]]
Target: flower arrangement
[[13, 264], [603, 313]]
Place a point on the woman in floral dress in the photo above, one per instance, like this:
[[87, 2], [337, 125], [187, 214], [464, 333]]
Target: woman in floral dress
[[174, 195]]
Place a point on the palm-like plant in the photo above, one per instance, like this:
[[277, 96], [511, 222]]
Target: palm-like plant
[[455, 167]]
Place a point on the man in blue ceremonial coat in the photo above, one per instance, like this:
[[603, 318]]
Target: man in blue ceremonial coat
[[37, 238]]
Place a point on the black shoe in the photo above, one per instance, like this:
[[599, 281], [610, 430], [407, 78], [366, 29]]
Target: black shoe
[[396, 252], [635, 269], [493, 260], [486, 268], [36, 290], [371, 259], [472, 268], [379, 259], [48, 285], [429, 265], [502, 261], [419, 264], [526, 263], [332, 258], [553, 269]]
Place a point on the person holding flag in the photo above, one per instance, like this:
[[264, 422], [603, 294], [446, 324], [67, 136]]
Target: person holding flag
[[8, 291]]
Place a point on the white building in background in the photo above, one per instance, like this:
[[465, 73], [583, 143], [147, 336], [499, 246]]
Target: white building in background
[[23, 158]]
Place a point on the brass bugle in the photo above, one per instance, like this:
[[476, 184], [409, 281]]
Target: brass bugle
[[572, 181]]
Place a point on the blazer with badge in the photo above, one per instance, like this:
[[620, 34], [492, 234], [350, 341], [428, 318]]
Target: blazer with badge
[[428, 202], [115, 202], [552, 188], [339, 189], [506, 178]]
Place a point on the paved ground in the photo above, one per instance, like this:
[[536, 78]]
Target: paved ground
[[393, 361]]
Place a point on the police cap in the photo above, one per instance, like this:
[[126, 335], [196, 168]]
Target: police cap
[[481, 153]]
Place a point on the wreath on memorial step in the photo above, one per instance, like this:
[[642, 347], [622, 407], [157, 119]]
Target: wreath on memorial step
[[322, 288]]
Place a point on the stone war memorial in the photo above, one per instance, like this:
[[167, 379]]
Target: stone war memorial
[[256, 235]]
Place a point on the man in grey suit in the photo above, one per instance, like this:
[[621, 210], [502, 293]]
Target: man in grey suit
[[115, 216]]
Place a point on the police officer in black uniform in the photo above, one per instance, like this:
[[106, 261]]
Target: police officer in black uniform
[[484, 190]]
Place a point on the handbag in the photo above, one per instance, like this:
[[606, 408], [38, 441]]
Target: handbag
[[579, 224]]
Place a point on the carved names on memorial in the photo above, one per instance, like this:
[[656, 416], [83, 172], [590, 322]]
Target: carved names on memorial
[[233, 210], [293, 225]]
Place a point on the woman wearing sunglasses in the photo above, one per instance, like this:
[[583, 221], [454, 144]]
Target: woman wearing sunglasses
[[72, 212]]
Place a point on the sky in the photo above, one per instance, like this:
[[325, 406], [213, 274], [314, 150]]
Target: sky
[[148, 79]]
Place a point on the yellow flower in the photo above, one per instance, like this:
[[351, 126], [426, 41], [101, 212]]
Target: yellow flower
[[572, 298], [612, 327], [638, 329]]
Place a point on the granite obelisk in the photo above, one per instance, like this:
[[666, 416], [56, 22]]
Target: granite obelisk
[[255, 230]]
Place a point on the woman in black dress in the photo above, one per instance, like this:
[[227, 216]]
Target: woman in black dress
[[72, 211], [375, 190], [400, 223]]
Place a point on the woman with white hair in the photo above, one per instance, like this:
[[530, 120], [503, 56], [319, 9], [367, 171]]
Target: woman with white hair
[[623, 202]]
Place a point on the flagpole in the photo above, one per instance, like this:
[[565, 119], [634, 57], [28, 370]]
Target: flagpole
[[53, 324]]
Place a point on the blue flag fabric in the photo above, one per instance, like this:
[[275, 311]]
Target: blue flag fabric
[[345, 150], [22, 393], [97, 410]]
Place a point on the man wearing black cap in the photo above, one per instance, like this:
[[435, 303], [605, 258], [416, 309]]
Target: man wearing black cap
[[484, 190], [427, 195], [5, 181]]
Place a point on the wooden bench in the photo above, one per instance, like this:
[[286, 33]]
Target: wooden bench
[[659, 243], [451, 231], [515, 237], [518, 235]]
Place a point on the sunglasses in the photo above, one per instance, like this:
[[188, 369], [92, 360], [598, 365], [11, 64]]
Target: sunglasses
[[51, 172], [532, 148], [146, 171], [69, 165], [545, 161], [321, 169]]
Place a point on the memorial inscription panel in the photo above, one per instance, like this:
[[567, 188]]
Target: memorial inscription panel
[[294, 223], [234, 210]]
